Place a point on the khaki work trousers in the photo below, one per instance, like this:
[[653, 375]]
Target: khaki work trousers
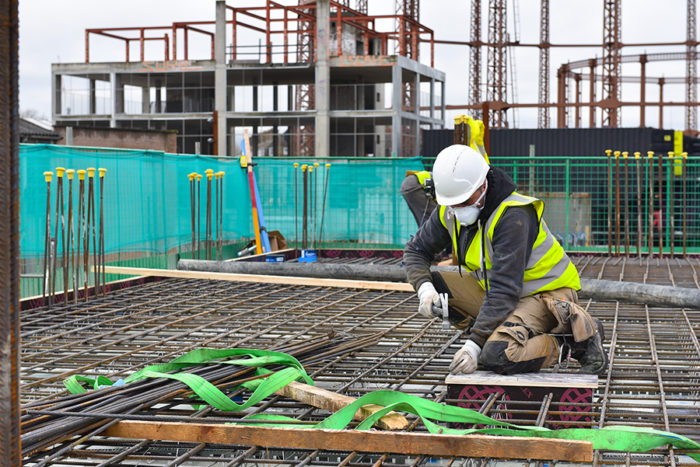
[[521, 343]]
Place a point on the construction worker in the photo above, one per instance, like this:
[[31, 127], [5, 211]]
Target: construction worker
[[519, 286], [417, 189]]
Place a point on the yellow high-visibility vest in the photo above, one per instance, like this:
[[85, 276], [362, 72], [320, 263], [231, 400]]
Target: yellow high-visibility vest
[[548, 268]]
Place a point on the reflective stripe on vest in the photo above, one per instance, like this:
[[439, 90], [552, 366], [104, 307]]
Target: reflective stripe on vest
[[548, 268], [423, 175]]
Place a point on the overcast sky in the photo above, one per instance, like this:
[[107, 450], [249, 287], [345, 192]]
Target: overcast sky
[[54, 31]]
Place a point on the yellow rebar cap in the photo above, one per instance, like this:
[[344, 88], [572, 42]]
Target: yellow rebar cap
[[191, 175], [47, 176], [637, 154], [296, 164], [91, 172], [311, 168], [209, 171], [684, 155], [219, 174], [608, 152], [617, 154], [670, 154], [59, 172], [102, 172], [69, 173], [624, 154], [650, 154], [210, 175], [199, 177], [81, 174], [316, 164], [303, 168], [328, 166]]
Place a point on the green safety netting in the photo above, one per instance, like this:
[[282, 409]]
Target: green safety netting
[[147, 200]]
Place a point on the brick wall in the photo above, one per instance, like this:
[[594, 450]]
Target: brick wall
[[165, 141]]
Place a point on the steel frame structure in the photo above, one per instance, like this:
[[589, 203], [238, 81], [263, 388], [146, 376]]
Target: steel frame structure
[[654, 354], [612, 45]]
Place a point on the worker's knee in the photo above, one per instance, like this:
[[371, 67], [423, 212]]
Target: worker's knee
[[495, 357]]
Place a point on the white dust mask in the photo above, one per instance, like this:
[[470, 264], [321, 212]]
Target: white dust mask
[[467, 215]]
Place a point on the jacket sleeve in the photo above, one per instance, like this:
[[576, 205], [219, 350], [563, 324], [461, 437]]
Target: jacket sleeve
[[513, 239], [420, 250]]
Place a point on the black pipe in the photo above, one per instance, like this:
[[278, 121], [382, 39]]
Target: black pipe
[[629, 292]]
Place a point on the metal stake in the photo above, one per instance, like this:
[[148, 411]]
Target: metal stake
[[323, 207], [71, 260], [47, 241], [627, 205], [101, 259], [639, 204]]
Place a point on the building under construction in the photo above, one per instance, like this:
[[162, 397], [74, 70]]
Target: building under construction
[[325, 82]]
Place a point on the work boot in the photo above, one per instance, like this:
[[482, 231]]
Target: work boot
[[590, 353]]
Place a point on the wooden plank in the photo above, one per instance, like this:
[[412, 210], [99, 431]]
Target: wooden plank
[[554, 380], [259, 278], [332, 401], [499, 447]]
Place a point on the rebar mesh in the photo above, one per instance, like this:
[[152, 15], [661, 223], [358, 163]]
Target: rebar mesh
[[652, 380]]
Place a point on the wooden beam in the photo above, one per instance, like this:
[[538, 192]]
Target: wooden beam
[[499, 447], [332, 401], [370, 285]]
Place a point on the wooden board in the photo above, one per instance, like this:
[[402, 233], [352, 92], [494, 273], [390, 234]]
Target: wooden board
[[259, 278], [500, 447], [551, 380], [332, 401]]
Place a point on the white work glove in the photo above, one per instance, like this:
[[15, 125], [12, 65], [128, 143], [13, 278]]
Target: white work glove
[[465, 359], [428, 297]]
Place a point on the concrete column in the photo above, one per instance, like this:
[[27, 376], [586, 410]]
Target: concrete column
[[220, 77], [442, 103], [396, 90], [117, 99], [416, 139], [432, 101], [275, 128], [145, 100], [56, 97], [323, 75], [91, 109]]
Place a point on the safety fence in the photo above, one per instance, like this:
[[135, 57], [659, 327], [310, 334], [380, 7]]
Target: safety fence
[[598, 203], [147, 205], [618, 204]]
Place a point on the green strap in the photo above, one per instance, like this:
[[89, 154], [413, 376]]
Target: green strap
[[612, 438]]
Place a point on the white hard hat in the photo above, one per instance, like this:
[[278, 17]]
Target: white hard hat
[[457, 173]]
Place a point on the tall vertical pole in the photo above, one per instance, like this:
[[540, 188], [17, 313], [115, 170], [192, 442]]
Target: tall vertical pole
[[637, 160], [691, 110], [617, 203], [650, 196], [612, 19], [101, 245], [70, 173], [475, 57], [220, 78], [304, 216], [322, 71], [10, 444], [543, 89], [497, 65], [642, 90], [608, 152], [684, 205], [47, 240]]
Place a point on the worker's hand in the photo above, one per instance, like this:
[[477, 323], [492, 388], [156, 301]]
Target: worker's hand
[[465, 359], [428, 297]]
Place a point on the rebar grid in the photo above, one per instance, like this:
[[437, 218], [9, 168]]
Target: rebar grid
[[652, 380]]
